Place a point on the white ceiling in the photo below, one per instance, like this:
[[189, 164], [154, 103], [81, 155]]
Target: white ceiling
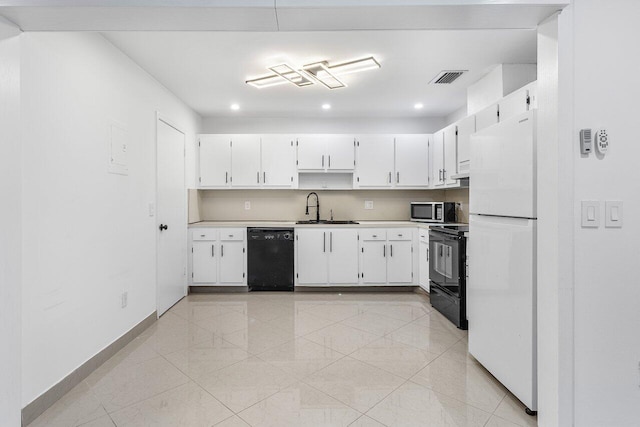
[[207, 70]]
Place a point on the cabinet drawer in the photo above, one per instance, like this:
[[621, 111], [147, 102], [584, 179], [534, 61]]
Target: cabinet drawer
[[373, 235], [204, 234], [232, 233], [399, 234], [423, 235]]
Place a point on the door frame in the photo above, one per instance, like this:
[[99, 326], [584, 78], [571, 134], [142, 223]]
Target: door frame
[[160, 117]]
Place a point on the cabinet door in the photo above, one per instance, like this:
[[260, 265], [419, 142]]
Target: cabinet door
[[514, 104], [343, 256], [245, 161], [438, 159], [340, 152], [278, 161], [312, 152], [487, 117], [466, 127], [424, 264], [412, 161], [204, 262], [312, 266], [375, 166], [399, 264], [232, 263], [450, 155], [215, 160], [374, 262]]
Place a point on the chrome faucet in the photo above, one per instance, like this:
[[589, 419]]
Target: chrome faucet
[[306, 212]]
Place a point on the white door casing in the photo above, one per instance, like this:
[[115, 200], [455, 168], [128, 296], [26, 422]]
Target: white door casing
[[171, 207]]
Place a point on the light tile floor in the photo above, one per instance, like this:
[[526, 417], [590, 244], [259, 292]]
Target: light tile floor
[[293, 359]]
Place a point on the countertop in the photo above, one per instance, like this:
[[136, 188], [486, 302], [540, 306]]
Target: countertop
[[361, 224]]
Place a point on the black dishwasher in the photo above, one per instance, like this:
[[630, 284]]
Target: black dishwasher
[[270, 259]]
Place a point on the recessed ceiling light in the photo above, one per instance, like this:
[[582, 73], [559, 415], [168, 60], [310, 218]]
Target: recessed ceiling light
[[418, 106], [326, 106], [235, 107]]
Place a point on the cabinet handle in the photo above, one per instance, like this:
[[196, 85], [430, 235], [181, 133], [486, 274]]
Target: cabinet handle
[[213, 252], [258, 177], [221, 251], [374, 236], [324, 241], [329, 160], [398, 177], [427, 254], [264, 177], [389, 177], [391, 249], [444, 174], [330, 239], [384, 251], [226, 177], [323, 160]]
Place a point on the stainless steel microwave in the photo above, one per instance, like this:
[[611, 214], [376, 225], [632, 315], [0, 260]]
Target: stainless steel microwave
[[433, 212]]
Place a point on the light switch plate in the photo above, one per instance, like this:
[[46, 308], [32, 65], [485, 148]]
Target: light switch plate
[[590, 214], [247, 205], [368, 204], [613, 214]]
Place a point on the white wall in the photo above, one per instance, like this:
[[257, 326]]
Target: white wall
[[87, 235], [607, 290], [10, 225], [321, 125]]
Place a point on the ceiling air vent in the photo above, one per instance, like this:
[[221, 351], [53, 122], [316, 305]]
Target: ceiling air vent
[[447, 77]]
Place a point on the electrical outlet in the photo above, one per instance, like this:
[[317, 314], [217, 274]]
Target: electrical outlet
[[368, 204], [247, 205], [152, 208], [124, 298]]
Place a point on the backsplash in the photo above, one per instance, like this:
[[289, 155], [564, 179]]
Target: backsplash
[[289, 205]]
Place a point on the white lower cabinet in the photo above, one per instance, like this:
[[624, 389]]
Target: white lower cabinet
[[327, 257], [423, 259], [218, 257], [386, 257]]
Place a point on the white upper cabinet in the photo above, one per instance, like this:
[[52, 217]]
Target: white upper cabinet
[[438, 160], [517, 102], [245, 161], [450, 155], [466, 127], [215, 160], [320, 153], [375, 162], [278, 161], [412, 161], [487, 117], [341, 151]]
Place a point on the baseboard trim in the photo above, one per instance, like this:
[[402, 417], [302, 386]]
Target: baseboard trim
[[355, 289], [43, 402], [218, 289]]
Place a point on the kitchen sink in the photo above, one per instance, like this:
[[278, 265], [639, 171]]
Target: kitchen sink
[[327, 222]]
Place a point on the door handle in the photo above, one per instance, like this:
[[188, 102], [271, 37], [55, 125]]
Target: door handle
[[221, 251], [163, 227], [324, 241]]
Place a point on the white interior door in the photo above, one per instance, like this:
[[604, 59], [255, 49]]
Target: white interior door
[[171, 223]]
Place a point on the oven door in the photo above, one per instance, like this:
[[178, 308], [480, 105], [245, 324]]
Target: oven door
[[444, 261]]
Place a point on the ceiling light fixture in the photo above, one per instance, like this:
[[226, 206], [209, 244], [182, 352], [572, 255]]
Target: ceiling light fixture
[[321, 72], [286, 72], [235, 107], [326, 106], [418, 106]]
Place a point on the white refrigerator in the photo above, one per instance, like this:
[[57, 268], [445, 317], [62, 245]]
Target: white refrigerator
[[501, 290]]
